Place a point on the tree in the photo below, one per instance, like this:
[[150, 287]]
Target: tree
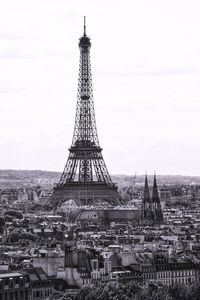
[[133, 291], [179, 292]]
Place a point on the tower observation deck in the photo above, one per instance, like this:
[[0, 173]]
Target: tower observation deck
[[85, 177]]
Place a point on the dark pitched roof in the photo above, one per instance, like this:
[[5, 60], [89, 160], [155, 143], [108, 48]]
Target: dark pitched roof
[[37, 274]]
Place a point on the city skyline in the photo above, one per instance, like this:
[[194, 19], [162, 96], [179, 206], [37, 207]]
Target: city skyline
[[145, 66]]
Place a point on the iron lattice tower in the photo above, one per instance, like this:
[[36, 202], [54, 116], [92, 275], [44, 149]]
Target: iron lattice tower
[[85, 176]]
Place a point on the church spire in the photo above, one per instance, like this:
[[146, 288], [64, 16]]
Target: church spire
[[156, 201], [146, 197], [155, 196], [146, 201]]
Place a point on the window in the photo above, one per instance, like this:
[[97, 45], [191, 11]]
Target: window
[[95, 265], [26, 295]]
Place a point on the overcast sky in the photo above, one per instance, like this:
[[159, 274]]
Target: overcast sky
[[145, 59]]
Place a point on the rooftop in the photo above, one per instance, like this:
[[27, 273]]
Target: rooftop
[[7, 275]]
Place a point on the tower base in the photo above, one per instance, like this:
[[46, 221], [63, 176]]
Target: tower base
[[86, 194]]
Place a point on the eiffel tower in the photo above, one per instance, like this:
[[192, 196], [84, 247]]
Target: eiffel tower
[[85, 177]]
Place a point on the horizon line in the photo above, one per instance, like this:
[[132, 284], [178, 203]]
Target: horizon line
[[116, 174]]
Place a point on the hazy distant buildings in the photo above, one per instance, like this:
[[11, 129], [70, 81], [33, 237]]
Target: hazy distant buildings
[[9, 195]]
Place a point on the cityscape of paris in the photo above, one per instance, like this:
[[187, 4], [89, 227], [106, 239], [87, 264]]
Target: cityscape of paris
[[99, 156]]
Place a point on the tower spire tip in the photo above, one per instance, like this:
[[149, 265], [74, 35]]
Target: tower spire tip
[[84, 25]]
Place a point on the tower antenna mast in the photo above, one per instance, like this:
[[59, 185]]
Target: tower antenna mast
[[84, 25]]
